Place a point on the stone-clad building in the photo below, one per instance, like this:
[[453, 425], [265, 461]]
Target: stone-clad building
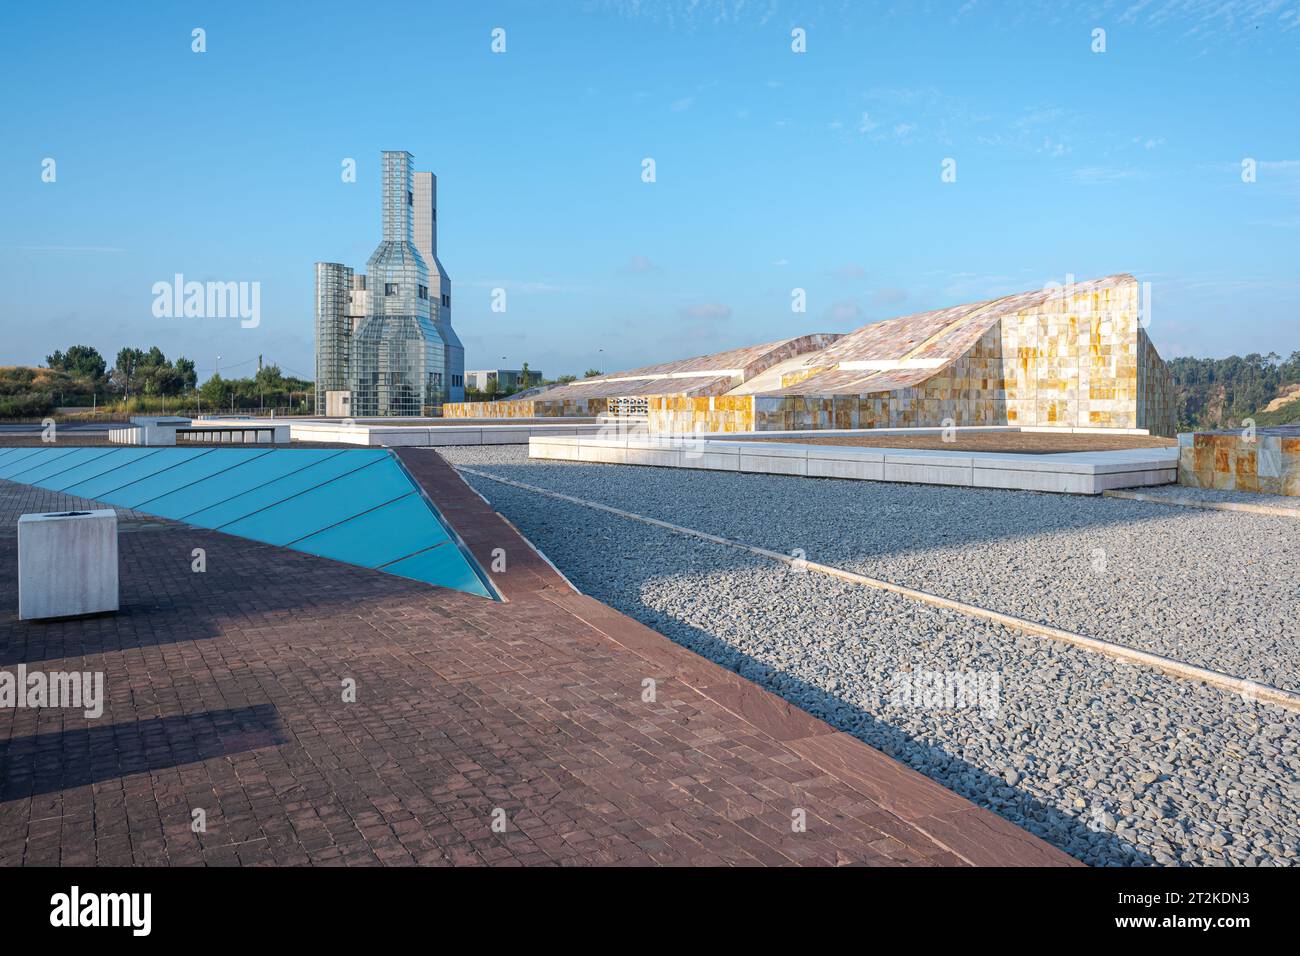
[[1070, 357]]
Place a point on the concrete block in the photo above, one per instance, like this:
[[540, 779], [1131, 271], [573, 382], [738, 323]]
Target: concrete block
[[456, 436], [772, 465], [1135, 479], [400, 437], [602, 454], [862, 469], [927, 474], [845, 453], [645, 456], [503, 436], [542, 448], [67, 563], [1059, 482], [927, 457], [773, 449], [712, 461]]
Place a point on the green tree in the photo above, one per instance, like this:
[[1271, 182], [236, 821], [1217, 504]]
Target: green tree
[[81, 360], [591, 373], [215, 393], [189, 375], [270, 380], [1220, 393], [125, 370]]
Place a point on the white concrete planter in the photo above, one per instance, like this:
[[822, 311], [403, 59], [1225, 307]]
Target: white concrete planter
[[67, 563]]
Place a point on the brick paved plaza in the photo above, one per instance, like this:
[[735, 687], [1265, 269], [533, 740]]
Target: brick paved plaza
[[224, 693]]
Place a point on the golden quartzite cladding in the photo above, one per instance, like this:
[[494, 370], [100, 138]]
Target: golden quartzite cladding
[[1075, 356], [1267, 462]]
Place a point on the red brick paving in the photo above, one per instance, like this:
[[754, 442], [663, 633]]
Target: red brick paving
[[224, 694]]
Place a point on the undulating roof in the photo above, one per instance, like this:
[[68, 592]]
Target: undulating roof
[[906, 351], [709, 374], [884, 356], [621, 387]]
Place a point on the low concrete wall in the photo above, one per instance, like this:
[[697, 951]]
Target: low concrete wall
[[1085, 473], [393, 436], [152, 435], [236, 433]]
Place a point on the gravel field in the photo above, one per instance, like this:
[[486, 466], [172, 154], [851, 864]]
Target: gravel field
[[1226, 495], [1218, 589], [1113, 763]]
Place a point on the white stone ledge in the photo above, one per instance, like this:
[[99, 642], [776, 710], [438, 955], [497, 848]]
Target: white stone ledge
[[394, 436], [774, 465], [1087, 473]]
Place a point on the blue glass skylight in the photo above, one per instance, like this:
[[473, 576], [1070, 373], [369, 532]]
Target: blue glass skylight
[[358, 506]]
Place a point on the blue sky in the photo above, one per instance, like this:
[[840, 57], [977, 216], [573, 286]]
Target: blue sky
[[775, 170]]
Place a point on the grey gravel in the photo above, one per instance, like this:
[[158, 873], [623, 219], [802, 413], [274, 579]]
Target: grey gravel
[[1223, 495], [1114, 764], [1217, 589]]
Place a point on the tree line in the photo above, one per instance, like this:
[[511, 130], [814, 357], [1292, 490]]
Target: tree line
[[1220, 393], [142, 380]]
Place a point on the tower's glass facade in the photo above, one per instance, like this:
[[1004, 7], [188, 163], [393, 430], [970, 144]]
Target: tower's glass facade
[[397, 362], [333, 329]]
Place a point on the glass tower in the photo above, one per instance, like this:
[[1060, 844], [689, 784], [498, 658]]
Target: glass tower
[[397, 364], [333, 329]]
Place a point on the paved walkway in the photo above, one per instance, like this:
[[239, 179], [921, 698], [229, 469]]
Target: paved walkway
[[225, 694]]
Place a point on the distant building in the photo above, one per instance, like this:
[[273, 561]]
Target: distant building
[[384, 338], [333, 330], [426, 240], [506, 379]]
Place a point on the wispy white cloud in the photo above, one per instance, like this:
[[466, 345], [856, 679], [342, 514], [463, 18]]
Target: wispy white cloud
[[1053, 147]]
